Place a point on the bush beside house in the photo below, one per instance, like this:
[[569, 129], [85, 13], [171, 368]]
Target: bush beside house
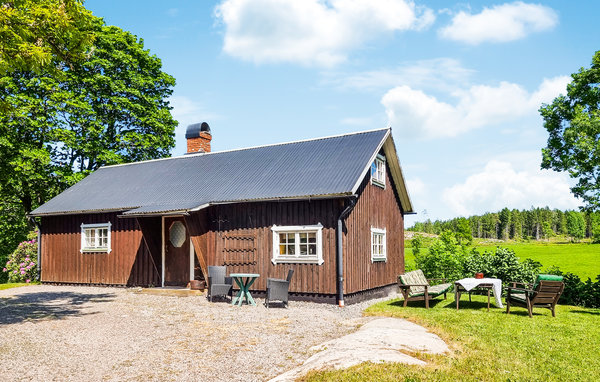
[[21, 266]]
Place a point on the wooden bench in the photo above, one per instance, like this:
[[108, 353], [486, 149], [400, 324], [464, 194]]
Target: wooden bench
[[414, 286]]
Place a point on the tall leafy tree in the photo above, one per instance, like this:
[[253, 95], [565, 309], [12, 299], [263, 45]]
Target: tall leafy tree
[[110, 108], [575, 224], [505, 218], [43, 34], [573, 124]]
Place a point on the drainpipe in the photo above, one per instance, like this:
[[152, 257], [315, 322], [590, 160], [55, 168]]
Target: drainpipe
[[340, 249], [39, 247]]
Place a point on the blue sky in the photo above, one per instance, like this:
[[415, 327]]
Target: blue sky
[[459, 83]]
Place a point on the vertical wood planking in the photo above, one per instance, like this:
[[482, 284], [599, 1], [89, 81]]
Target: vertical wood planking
[[379, 208], [62, 260]]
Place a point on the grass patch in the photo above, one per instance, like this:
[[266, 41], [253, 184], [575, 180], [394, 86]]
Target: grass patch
[[491, 346], [14, 285]]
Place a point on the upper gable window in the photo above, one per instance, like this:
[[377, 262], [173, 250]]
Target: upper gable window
[[378, 171], [95, 237]]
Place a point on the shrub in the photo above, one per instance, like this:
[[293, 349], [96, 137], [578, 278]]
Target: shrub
[[416, 244], [502, 264], [21, 266], [444, 259], [577, 292]]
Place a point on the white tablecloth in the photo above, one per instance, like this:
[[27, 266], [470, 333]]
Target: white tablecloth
[[470, 283]]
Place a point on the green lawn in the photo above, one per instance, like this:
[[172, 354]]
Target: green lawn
[[582, 259], [491, 346], [12, 285]]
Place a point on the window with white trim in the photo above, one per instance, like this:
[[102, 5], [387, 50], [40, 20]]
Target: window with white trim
[[378, 245], [298, 244], [95, 237], [378, 171]]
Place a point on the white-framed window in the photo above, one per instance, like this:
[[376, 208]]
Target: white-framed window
[[378, 245], [95, 237], [378, 171], [298, 244]]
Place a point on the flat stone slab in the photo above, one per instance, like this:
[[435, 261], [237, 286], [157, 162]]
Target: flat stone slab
[[379, 340]]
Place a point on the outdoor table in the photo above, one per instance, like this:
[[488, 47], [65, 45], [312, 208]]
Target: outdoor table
[[470, 283], [244, 282]]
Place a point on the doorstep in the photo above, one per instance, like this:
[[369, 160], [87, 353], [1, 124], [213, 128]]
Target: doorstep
[[170, 291]]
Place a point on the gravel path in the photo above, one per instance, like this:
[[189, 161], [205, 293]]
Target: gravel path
[[63, 333]]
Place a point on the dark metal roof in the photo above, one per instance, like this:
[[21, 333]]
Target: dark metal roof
[[313, 168]]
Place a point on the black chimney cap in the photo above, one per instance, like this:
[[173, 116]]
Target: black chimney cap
[[194, 130]]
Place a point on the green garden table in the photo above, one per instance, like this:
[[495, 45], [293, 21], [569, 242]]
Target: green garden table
[[244, 282]]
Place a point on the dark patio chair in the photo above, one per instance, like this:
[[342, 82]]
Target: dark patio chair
[[278, 289], [544, 293], [218, 283], [414, 286]]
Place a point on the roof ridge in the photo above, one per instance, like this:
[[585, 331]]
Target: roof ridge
[[184, 156]]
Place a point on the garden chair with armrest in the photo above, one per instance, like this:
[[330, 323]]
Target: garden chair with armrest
[[278, 289], [544, 293], [414, 286], [218, 283]]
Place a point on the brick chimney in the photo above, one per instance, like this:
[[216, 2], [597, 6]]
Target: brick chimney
[[198, 138]]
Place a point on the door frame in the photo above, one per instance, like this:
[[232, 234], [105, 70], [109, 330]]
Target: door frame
[[163, 252]]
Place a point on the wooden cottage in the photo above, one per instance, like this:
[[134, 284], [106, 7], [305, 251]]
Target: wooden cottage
[[330, 208]]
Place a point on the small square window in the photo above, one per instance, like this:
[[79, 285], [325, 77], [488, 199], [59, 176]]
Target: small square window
[[95, 237]]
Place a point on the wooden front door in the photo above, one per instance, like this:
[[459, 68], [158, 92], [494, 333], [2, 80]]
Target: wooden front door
[[177, 252]]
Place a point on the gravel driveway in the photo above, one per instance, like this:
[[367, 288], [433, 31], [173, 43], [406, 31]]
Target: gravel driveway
[[64, 333]]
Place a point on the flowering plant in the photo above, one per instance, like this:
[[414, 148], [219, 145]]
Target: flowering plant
[[22, 263]]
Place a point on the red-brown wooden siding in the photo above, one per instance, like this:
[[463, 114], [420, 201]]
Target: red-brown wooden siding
[[230, 228], [379, 208], [129, 262], [239, 228]]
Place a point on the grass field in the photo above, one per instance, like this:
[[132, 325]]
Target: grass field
[[582, 259], [491, 346], [12, 285]]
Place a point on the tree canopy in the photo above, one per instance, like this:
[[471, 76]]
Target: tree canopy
[[112, 107], [43, 34], [573, 124]]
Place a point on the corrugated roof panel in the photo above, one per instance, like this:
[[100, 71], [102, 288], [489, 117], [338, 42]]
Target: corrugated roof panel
[[327, 166]]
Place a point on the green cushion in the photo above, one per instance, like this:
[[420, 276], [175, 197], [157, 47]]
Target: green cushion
[[546, 278], [439, 289]]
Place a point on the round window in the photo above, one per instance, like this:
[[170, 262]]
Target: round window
[[177, 234]]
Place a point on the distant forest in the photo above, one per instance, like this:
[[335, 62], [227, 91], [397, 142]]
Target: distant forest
[[535, 224]]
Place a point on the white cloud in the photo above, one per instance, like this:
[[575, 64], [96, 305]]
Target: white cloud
[[501, 23], [416, 114], [439, 73], [312, 32], [549, 89], [500, 185], [187, 111]]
